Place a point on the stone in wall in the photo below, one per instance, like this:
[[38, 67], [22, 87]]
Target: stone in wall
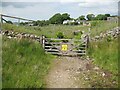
[[12, 34]]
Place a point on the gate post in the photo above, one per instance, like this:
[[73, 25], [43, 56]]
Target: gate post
[[87, 40], [43, 41]]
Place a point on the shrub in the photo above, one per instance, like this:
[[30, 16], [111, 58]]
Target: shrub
[[109, 38], [60, 35], [78, 35], [81, 23], [94, 23]]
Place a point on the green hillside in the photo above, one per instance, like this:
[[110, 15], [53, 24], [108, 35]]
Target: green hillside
[[51, 30]]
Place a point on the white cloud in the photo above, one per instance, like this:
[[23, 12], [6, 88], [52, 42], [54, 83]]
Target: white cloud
[[86, 4], [96, 3], [70, 1], [101, 1], [38, 11], [63, 1], [29, 0], [108, 6]]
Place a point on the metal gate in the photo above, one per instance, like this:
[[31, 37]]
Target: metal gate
[[70, 47]]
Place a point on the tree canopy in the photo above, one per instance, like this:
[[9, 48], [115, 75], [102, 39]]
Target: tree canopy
[[90, 17], [101, 17], [98, 17], [66, 16], [59, 18], [82, 17]]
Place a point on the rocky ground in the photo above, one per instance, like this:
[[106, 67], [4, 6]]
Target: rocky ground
[[76, 72]]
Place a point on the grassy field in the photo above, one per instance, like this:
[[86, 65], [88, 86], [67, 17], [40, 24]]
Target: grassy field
[[49, 31], [24, 64], [105, 54], [0, 61], [101, 26], [52, 30]]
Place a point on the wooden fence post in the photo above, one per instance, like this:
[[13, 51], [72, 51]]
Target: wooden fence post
[[43, 41]]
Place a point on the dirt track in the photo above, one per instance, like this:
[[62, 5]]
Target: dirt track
[[64, 72], [76, 72]]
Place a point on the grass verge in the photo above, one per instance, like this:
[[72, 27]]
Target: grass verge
[[105, 54], [24, 64]]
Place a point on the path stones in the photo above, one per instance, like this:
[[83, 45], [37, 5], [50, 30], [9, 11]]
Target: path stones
[[103, 74], [96, 68], [9, 37], [86, 78]]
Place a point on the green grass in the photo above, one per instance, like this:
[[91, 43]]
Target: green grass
[[49, 31], [101, 26], [105, 54], [0, 61], [24, 64], [52, 30], [29, 54]]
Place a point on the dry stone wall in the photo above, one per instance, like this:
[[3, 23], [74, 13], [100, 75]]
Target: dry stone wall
[[113, 33], [12, 34]]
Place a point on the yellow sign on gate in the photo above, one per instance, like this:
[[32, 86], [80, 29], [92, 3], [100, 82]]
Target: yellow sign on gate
[[64, 47]]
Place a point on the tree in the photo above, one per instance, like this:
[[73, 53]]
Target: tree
[[82, 17], [40, 23], [65, 16], [10, 22], [22, 23], [108, 15], [114, 16], [35, 23], [101, 17], [90, 17], [59, 18], [56, 19]]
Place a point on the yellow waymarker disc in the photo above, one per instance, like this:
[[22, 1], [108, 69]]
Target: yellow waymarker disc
[[64, 47]]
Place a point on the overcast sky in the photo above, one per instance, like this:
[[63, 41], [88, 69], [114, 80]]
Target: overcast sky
[[44, 9]]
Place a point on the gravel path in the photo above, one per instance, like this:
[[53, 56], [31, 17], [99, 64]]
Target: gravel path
[[64, 72]]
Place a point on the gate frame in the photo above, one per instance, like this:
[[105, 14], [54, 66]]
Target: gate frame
[[53, 51]]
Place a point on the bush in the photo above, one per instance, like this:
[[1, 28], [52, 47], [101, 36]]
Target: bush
[[94, 23], [81, 23], [109, 38], [78, 36], [60, 35]]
